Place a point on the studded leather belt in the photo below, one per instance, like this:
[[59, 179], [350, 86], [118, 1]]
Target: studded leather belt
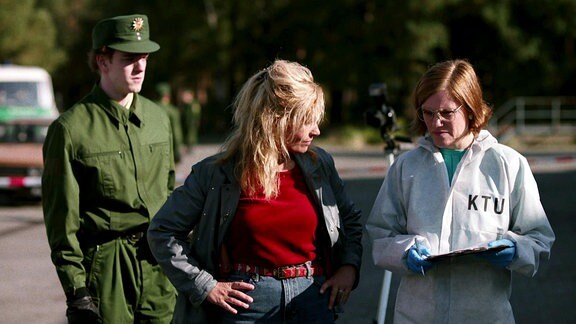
[[285, 272]]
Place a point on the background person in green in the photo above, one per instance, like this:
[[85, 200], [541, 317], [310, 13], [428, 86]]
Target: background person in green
[[165, 100], [191, 111], [108, 169]]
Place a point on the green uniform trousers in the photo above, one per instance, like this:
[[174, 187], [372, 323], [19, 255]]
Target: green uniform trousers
[[127, 284]]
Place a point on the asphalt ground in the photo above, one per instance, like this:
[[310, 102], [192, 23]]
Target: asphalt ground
[[547, 298], [30, 291], [372, 161]]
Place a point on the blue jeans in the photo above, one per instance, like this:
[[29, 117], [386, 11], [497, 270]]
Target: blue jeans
[[295, 300]]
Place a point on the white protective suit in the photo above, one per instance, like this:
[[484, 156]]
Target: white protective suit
[[493, 195]]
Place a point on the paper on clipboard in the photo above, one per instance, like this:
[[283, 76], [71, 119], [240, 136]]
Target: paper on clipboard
[[471, 250]]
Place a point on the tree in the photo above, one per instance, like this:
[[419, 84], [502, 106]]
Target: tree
[[28, 35], [519, 47]]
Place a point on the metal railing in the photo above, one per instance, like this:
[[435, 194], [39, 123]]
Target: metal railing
[[534, 115]]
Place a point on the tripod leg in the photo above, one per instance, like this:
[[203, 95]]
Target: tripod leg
[[385, 291]]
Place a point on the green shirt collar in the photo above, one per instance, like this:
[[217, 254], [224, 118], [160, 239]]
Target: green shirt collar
[[117, 112]]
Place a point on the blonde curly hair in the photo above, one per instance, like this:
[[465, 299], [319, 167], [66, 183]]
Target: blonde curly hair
[[271, 106]]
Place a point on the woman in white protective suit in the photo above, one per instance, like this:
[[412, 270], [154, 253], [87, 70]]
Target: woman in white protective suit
[[458, 189]]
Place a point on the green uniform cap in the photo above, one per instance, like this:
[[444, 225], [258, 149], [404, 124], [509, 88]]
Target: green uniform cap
[[130, 34], [163, 88]]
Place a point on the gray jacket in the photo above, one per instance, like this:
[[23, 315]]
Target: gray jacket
[[205, 206]]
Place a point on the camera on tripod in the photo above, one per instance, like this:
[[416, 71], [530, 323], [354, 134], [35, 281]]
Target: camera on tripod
[[381, 115]]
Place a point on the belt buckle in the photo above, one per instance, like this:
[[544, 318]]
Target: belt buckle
[[135, 237], [278, 273], [288, 272], [281, 272]]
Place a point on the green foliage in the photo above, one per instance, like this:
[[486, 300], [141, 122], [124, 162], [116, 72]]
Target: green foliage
[[358, 135], [519, 47], [28, 35], [351, 136]]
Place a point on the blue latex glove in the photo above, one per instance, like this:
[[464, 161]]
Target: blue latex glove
[[416, 259], [500, 259]]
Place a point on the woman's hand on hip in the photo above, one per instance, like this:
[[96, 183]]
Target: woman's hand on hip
[[230, 295], [341, 283]]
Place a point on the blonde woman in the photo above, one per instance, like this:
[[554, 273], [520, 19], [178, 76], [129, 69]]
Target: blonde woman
[[274, 236]]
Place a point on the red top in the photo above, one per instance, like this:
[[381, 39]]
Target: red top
[[277, 232]]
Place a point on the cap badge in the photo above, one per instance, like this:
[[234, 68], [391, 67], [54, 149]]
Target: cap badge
[[137, 24]]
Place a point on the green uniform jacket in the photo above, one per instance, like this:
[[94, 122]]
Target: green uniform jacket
[[176, 126], [107, 171]]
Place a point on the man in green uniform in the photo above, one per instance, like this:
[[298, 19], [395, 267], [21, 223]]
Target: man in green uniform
[[165, 100], [108, 167], [190, 110]]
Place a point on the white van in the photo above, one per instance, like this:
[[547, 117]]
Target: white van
[[26, 92], [27, 107]]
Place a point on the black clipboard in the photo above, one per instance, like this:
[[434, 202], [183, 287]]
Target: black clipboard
[[467, 251]]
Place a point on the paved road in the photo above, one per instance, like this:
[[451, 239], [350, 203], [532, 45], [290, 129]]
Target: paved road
[[30, 292]]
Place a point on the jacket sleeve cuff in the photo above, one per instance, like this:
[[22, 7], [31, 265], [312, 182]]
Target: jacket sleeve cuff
[[77, 293]]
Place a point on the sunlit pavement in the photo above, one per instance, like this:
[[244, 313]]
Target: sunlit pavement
[[372, 161], [30, 291]]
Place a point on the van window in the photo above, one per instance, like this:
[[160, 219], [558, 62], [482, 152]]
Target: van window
[[26, 93], [20, 94]]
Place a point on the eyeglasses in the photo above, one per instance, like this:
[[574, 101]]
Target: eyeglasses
[[441, 114]]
